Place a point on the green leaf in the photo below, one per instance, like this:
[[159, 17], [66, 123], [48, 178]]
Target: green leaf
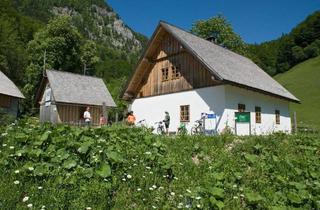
[[104, 170], [218, 176], [83, 149], [217, 192], [251, 158], [216, 203], [70, 163], [253, 197], [115, 156], [294, 198]]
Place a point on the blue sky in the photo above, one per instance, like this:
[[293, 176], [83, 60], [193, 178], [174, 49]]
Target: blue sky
[[255, 20]]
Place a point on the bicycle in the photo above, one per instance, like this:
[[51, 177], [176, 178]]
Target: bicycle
[[141, 123], [160, 128], [198, 127], [182, 130]]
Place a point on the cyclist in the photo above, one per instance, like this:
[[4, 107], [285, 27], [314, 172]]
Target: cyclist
[[167, 121]]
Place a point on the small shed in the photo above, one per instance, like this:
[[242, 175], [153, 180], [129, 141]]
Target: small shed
[[64, 96], [9, 95]]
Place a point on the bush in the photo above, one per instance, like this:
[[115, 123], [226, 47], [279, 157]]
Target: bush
[[119, 167]]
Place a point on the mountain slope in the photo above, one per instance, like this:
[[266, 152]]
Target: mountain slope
[[303, 81]]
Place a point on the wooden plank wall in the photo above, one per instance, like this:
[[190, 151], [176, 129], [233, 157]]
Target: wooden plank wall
[[73, 114], [5, 101], [170, 53]]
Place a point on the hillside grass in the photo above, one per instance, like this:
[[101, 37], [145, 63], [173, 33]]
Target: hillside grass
[[303, 81], [47, 167]]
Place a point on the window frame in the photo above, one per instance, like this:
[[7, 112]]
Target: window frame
[[165, 74], [241, 107], [184, 113], [175, 72], [257, 110]]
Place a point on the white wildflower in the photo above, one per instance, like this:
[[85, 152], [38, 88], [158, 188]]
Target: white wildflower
[[154, 186], [43, 207], [181, 196], [29, 205], [30, 168], [147, 167], [189, 191], [139, 189], [4, 145], [25, 199], [161, 188], [198, 198], [143, 176], [150, 172], [16, 182], [19, 154], [154, 207], [16, 171], [100, 151], [124, 179], [88, 208], [129, 176], [235, 197], [150, 188], [188, 206], [176, 178], [172, 193], [40, 188], [234, 186], [198, 206], [148, 153], [11, 147], [4, 134], [181, 164]]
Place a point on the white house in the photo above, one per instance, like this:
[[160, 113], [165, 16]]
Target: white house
[[187, 76]]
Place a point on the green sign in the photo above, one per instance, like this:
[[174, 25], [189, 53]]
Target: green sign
[[243, 117]]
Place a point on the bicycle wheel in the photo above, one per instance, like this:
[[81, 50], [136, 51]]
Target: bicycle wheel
[[194, 130], [159, 130]]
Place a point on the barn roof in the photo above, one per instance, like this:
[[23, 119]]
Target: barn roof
[[7, 87], [78, 89], [226, 65]]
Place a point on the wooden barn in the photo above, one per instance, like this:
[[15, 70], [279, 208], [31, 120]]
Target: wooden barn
[[64, 96], [9, 95]]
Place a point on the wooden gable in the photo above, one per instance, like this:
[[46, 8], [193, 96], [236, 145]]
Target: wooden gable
[[184, 71]]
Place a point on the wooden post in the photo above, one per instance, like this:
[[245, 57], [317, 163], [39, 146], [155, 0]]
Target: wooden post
[[104, 109], [117, 117], [295, 122]]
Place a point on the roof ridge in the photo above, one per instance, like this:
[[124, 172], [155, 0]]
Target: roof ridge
[[72, 73], [164, 22]]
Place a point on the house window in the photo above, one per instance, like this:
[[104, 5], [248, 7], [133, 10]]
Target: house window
[[165, 74], [277, 117], [258, 114], [185, 113], [176, 72], [241, 107]]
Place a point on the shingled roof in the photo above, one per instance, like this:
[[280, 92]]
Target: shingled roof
[[78, 89], [7, 87], [226, 65]]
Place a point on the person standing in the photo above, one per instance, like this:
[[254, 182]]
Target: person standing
[[103, 120], [167, 121], [87, 116], [131, 119]]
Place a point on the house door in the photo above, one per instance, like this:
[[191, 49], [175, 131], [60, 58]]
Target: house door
[[243, 123]]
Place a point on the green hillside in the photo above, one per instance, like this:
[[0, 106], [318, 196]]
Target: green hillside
[[303, 80]]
